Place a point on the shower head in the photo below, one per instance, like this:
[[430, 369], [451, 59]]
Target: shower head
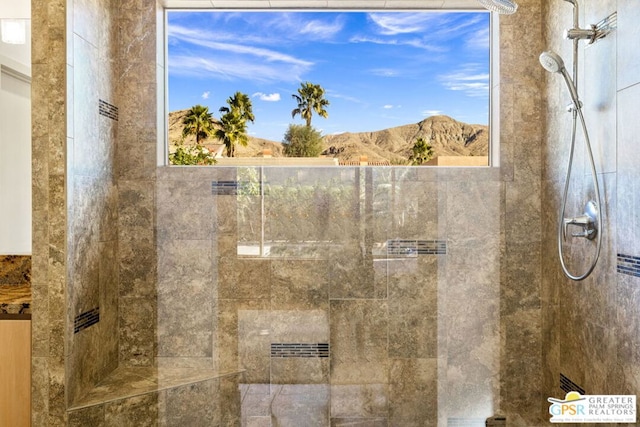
[[553, 63], [504, 7]]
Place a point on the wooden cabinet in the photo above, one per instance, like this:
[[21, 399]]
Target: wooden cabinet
[[15, 373]]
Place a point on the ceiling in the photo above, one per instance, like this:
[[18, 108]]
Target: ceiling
[[323, 4]]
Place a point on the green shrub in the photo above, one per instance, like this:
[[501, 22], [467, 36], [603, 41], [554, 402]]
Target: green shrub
[[302, 141], [191, 155]]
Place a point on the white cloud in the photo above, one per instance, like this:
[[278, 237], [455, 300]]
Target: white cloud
[[417, 43], [241, 62], [321, 29], [429, 113], [384, 72], [394, 23], [479, 39], [272, 97], [470, 80], [388, 107], [205, 95], [333, 94], [296, 26], [199, 38], [233, 69]]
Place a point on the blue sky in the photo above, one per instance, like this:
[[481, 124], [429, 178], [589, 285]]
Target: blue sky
[[379, 69]]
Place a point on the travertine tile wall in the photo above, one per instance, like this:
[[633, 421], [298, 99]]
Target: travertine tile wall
[[49, 257], [413, 337], [93, 211], [135, 154], [92, 199], [591, 327], [522, 124]]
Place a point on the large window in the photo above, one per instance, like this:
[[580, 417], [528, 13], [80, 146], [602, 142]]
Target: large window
[[330, 87]]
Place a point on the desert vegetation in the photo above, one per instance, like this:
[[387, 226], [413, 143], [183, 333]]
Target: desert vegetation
[[197, 138]]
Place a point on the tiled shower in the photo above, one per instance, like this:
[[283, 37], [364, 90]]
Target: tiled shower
[[333, 291], [347, 296]]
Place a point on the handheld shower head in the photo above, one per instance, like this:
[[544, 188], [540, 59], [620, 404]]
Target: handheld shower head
[[503, 7], [553, 63]]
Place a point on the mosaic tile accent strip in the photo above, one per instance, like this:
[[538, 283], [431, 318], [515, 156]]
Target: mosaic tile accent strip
[[299, 349], [400, 247], [628, 264], [567, 385], [224, 188], [107, 110], [232, 188], [86, 319]]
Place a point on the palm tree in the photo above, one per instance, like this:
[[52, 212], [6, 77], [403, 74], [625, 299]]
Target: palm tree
[[310, 98], [422, 152], [241, 103], [233, 131], [198, 122]]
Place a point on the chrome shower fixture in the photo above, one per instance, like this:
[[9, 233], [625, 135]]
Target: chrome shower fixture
[[553, 63], [591, 220], [595, 32], [503, 7]]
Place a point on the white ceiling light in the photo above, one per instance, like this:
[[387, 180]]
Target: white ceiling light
[[14, 31]]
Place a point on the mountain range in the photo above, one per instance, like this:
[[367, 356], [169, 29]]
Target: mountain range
[[447, 136]]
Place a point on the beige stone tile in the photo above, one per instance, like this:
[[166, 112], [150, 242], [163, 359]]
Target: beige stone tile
[[522, 265], [359, 345], [352, 274], [137, 269], [413, 399], [136, 210], [39, 321], [193, 405], [39, 391], [359, 401], [244, 278], [299, 370], [137, 320], [299, 284], [522, 216], [413, 310], [520, 368], [228, 313], [139, 411], [302, 405], [473, 211], [93, 416]]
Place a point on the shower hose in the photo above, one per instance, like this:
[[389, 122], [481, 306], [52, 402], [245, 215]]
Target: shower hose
[[577, 112]]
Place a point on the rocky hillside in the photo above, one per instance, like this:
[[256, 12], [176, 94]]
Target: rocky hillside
[[447, 136]]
